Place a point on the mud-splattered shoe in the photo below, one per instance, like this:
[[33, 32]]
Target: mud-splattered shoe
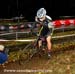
[[49, 55]]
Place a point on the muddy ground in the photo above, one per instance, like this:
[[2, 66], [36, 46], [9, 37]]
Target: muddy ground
[[62, 62]]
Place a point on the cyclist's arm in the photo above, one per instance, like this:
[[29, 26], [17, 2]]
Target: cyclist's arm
[[50, 24], [38, 21], [34, 26], [51, 27], [49, 18]]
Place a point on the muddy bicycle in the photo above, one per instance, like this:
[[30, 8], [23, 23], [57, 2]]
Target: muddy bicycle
[[31, 50]]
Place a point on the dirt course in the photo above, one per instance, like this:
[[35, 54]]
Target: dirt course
[[62, 62]]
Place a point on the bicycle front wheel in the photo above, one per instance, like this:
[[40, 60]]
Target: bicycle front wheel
[[27, 53]]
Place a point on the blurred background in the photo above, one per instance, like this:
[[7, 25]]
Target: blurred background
[[28, 8]]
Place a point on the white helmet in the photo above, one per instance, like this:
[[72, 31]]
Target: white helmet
[[41, 13]]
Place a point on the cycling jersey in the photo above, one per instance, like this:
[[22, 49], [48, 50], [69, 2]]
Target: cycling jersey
[[47, 26]]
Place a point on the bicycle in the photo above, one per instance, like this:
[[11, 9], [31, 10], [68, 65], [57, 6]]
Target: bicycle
[[31, 50]]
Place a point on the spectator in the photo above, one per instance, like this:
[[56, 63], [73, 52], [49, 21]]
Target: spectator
[[3, 55]]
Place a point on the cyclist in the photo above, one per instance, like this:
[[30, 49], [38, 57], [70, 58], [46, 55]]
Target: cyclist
[[46, 29]]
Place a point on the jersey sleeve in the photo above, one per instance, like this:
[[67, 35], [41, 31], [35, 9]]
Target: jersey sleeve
[[49, 18], [51, 27]]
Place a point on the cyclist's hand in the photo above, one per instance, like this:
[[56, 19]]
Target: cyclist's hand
[[50, 25], [38, 35]]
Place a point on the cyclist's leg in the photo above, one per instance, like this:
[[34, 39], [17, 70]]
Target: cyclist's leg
[[49, 44], [39, 43]]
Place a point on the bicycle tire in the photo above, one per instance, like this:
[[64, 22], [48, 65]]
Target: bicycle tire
[[23, 58], [27, 53]]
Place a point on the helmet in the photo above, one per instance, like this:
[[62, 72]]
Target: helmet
[[41, 13]]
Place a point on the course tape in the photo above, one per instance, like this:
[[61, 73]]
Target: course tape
[[30, 40]]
